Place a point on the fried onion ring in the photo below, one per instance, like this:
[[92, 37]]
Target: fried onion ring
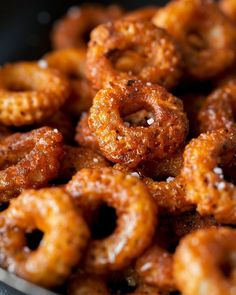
[[65, 236], [30, 93], [203, 176], [132, 50], [131, 145], [73, 30], [204, 262], [136, 211], [219, 108], [28, 160], [206, 36]]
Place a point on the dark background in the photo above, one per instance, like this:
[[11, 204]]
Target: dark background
[[25, 25]]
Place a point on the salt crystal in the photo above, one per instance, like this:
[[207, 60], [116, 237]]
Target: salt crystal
[[42, 64], [217, 170], [135, 174], [95, 160], [150, 121], [220, 185], [169, 179]]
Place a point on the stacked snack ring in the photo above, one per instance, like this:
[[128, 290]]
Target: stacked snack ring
[[30, 93], [121, 143], [206, 36], [132, 50], [52, 212], [214, 275], [29, 160], [71, 62], [203, 175], [117, 153], [74, 29], [135, 206], [219, 109]]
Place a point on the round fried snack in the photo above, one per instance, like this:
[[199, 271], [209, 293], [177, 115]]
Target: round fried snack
[[203, 175], [121, 143], [71, 62], [28, 160], [30, 93], [144, 13], [65, 235], [74, 29], [136, 216], [77, 158], [84, 136], [132, 50], [155, 267], [204, 262], [219, 108], [87, 284], [229, 8], [206, 36]]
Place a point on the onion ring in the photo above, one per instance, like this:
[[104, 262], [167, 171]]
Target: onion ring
[[73, 30], [65, 236], [131, 145], [219, 108], [133, 204], [132, 50], [206, 36], [28, 160], [204, 179], [204, 262], [30, 93]]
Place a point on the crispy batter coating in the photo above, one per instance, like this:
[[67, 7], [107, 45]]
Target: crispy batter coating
[[133, 50], [169, 195], [74, 28], [219, 108], [206, 36], [84, 136], [136, 211], [77, 158], [144, 13], [204, 262], [28, 160], [155, 267], [30, 93], [121, 143], [65, 236], [71, 62], [203, 175], [229, 8]]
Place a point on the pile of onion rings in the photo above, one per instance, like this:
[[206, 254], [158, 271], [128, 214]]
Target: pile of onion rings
[[118, 153]]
